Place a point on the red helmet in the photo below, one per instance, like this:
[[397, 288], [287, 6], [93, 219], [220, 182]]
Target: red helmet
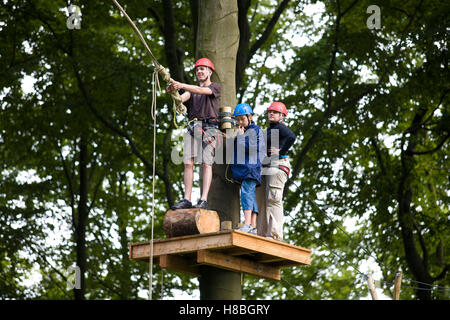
[[204, 62], [279, 107]]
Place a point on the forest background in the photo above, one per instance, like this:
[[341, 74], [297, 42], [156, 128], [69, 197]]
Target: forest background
[[370, 107]]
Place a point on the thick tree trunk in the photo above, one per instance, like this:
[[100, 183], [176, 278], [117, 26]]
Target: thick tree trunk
[[174, 59], [417, 264], [244, 41], [126, 287], [219, 284], [218, 39]]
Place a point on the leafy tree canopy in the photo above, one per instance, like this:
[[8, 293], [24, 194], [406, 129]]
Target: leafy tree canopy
[[370, 108]]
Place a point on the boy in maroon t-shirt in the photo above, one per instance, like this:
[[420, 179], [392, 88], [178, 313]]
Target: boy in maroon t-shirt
[[205, 99]]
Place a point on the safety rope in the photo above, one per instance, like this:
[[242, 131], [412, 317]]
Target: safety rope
[[230, 180], [155, 86]]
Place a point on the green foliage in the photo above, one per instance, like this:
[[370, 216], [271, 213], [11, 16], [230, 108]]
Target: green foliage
[[370, 108]]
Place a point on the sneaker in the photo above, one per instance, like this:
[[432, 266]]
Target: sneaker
[[245, 228], [201, 204], [183, 204], [254, 231], [272, 238]]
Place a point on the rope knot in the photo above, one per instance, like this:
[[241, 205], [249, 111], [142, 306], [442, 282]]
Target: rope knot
[[162, 71]]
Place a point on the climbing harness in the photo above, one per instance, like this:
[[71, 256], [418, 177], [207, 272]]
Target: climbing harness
[[211, 134], [285, 169]]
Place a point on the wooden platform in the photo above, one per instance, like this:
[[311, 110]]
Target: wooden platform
[[231, 249]]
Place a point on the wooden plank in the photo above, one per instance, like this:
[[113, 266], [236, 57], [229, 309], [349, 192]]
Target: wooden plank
[[250, 247], [271, 247], [397, 285], [238, 264], [236, 251], [179, 264], [181, 245]]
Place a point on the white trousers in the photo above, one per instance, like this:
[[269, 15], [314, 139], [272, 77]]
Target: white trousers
[[269, 197]]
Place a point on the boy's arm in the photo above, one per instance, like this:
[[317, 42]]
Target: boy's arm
[[185, 96], [191, 88]]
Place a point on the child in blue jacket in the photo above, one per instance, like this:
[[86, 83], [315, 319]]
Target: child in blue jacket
[[246, 166]]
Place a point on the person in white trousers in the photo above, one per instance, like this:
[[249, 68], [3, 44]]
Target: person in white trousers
[[276, 170]]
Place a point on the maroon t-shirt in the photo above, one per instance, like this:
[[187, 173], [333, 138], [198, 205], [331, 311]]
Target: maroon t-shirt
[[205, 106]]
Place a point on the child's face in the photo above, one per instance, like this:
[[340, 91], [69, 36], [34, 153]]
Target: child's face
[[242, 120], [274, 116]]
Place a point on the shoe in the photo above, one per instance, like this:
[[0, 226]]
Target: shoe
[[245, 228], [201, 204], [183, 204], [254, 231], [272, 238]]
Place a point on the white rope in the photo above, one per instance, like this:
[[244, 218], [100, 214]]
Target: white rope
[[155, 86]]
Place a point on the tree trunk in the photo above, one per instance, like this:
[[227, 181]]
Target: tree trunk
[[170, 47], [126, 287], [417, 264], [218, 39], [81, 221], [219, 284], [244, 41]]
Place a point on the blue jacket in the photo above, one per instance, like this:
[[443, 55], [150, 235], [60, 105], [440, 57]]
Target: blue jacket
[[249, 150]]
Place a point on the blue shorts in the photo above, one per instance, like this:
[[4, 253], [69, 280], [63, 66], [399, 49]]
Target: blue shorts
[[248, 195]]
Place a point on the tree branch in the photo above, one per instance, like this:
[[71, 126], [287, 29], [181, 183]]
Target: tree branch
[[244, 41], [442, 274], [330, 109], [97, 187], [157, 18], [421, 241], [170, 45], [439, 146], [194, 17], [70, 185], [375, 146], [270, 26], [107, 123], [120, 132]]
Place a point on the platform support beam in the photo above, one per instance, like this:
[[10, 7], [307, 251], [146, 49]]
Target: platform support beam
[[235, 263]]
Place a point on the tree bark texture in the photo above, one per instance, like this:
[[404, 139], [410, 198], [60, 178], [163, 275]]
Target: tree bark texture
[[417, 264], [81, 220], [218, 40], [219, 284]]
